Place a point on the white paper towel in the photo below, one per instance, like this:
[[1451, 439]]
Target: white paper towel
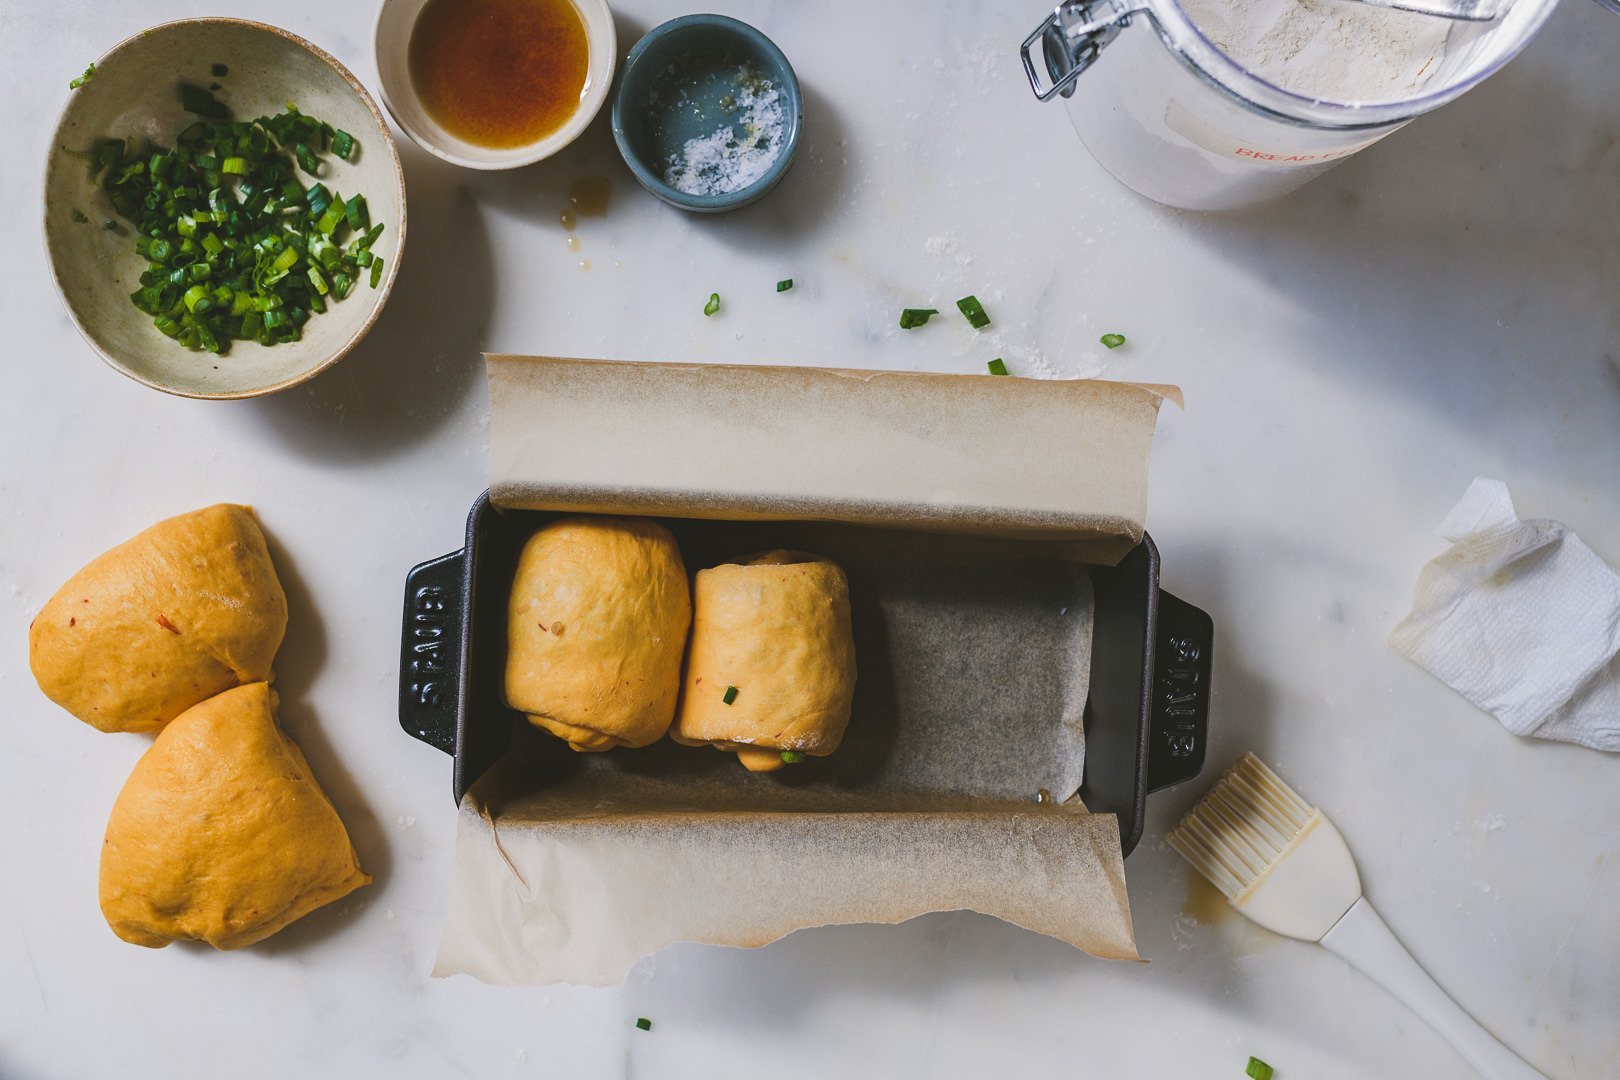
[[1522, 619]]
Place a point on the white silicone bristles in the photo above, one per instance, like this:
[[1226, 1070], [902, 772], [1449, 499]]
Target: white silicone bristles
[[1242, 827]]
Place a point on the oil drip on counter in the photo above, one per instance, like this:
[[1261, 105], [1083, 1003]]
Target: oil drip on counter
[[746, 111], [499, 73], [587, 197]]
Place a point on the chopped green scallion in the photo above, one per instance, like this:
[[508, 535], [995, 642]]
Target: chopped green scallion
[[334, 214], [711, 307], [194, 99], [365, 242], [730, 695], [89, 73], [1113, 341], [784, 285], [79, 218], [358, 216], [644, 1024], [1258, 1069], [911, 318], [198, 300], [998, 366], [792, 757], [236, 248], [343, 145], [107, 154], [973, 311]]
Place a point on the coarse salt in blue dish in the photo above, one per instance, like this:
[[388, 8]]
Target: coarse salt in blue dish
[[707, 113]]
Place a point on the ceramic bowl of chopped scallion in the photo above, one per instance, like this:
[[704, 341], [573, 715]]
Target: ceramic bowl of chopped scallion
[[224, 208]]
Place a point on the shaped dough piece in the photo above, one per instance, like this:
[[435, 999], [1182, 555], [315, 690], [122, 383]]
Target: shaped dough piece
[[186, 609], [221, 834], [776, 627], [595, 630]]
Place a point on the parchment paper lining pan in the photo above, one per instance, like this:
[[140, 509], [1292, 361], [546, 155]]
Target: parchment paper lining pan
[[975, 654]]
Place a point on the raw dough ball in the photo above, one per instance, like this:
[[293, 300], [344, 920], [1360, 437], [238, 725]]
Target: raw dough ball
[[186, 609], [776, 627], [221, 834], [595, 630]]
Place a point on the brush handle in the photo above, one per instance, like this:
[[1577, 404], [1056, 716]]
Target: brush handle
[[1362, 938]]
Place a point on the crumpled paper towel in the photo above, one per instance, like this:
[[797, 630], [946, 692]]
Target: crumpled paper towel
[[1522, 619]]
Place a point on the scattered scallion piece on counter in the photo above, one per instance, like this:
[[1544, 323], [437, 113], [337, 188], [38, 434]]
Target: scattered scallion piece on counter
[[644, 1024], [219, 71], [792, 757], [784, 285], [89, 73], [1258, 1069], [973, 311], [912, 317], [998, 366], [730, 695], [1113, 341], [79, 218], [236, 247], [713, 305]]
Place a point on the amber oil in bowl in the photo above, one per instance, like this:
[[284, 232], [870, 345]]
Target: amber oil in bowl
[[493, 84], [499, 73]]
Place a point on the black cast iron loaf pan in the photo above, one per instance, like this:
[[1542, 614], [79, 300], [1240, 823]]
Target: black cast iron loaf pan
[[1146, 713]]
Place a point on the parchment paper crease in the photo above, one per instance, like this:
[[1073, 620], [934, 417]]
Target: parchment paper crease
[[577, 882], [1064, 460]]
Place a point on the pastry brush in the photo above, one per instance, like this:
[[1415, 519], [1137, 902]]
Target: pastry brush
[[1284, 865]]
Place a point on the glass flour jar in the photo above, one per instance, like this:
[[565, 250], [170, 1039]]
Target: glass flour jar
[[1176, 119]]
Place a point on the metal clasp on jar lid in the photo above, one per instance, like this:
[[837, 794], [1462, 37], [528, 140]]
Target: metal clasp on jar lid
[[1071, 39]]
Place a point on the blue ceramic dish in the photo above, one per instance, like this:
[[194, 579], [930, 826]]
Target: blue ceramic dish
[[707, 113]]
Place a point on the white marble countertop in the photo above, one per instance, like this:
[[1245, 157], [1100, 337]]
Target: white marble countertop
[[1441, 306]]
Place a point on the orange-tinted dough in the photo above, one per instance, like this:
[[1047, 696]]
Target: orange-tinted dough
[[221, 834], [777, 627], [186, 609], [595, 630]]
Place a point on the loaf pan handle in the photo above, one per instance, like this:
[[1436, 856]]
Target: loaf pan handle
[[1179, 731], [430, 652]]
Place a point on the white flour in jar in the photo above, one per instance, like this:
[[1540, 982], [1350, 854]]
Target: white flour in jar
[[1330, 49]]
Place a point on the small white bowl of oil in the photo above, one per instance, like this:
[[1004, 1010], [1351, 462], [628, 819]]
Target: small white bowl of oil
[[495, 84]]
